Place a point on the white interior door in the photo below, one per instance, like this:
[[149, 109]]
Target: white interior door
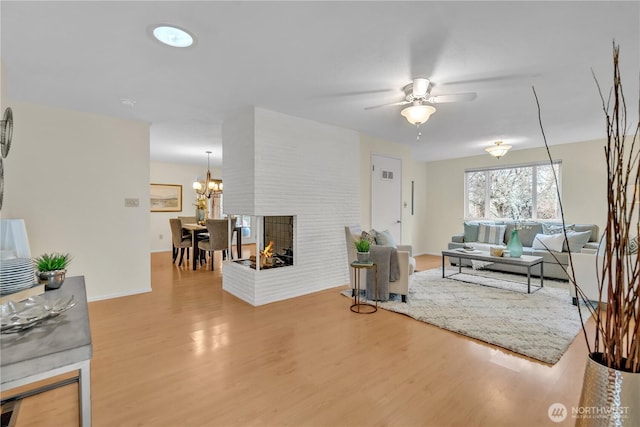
[[386, 195]]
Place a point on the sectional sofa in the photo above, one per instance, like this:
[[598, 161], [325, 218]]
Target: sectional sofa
[[484, 234]]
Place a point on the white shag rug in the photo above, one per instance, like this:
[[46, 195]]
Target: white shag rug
[[540, 325]]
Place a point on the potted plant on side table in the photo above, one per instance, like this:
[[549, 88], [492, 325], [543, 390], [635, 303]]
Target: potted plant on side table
[[362, 248], [51, 269]]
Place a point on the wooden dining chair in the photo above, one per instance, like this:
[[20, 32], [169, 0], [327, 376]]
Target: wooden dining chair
[[180, 241], [218, 237]]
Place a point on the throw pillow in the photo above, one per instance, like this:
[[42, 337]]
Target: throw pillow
[[556, 227], [552, 242], [493, 234], [471, 231], [369, 237], [384, 238], [577, 240]]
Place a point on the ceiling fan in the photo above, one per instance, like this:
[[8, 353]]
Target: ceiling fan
[[418, 94], [419, 90]]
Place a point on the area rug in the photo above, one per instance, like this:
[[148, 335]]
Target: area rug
[[540, 325]]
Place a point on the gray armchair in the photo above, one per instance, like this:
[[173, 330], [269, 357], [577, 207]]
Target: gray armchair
[[405, 261]]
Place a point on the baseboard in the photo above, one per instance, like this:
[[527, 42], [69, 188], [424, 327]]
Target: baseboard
[[429, 253], [119, 295]]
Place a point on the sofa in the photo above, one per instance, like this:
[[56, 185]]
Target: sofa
[[545, 239], [406, 262]]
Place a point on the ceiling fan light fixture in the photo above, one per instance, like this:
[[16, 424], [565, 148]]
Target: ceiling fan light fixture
[[498, 149], [417, 114]]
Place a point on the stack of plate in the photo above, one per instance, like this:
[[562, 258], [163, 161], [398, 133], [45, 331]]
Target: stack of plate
[[15, 275]]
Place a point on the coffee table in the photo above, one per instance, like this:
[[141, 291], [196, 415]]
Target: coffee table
[[525, 261]]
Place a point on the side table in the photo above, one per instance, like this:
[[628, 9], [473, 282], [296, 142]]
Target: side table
[[59, 345], [357, 268]]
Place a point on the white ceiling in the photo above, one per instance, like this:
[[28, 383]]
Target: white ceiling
[[327, 61]]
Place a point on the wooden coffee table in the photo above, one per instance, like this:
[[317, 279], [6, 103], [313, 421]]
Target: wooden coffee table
[[525, 261]]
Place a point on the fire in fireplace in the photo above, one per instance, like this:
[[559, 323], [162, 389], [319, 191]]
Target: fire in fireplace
[[278, 231]]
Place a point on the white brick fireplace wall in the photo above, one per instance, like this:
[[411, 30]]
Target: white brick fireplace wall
[[276, 164]]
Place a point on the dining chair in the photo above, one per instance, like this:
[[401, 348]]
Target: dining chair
[[187, 220], [186, 233], [179, 240], [218, 237]]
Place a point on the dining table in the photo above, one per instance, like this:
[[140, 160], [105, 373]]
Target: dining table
[[197, 229]]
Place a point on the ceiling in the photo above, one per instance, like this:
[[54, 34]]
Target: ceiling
[[327, 61]]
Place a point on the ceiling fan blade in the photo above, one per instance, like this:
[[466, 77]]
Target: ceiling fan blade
[[504, 78], [454, 97], [387, 105], [360, 92]]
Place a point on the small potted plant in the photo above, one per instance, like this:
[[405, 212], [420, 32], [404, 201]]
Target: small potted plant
[[362, 247], [51, 269]]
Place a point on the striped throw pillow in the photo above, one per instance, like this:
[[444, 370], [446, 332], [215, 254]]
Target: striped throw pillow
[[493, 234]]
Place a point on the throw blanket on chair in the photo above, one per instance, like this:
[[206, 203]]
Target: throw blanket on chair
[[386, 258]]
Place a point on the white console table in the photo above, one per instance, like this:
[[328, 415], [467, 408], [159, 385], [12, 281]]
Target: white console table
[[57, 346]]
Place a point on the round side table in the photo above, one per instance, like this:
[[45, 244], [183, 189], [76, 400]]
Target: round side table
[[357, 306]]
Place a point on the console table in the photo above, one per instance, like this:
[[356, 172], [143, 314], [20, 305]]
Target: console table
[[57, 346]]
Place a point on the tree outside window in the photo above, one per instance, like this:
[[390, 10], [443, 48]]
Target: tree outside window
[[522, 192]]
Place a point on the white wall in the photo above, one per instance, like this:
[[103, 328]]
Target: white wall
[[180, 174], [302, 168], [67, 175], [584, 182]]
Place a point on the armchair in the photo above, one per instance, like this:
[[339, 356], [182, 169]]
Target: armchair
[[405, 261]]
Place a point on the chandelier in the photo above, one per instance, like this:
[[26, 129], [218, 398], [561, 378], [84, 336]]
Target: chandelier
[[209, 187], [498, 150]]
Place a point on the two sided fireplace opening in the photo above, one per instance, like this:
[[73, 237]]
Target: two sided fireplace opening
[[274, 242]]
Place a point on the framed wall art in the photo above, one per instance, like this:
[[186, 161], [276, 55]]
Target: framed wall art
[[166, 198]]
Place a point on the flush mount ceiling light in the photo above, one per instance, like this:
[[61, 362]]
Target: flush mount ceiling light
[[498, 150], [172, 36]]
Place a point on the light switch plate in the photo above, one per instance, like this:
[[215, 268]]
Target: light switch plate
[[131, 203]]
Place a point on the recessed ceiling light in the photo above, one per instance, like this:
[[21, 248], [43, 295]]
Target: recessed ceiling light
[[173, 36]]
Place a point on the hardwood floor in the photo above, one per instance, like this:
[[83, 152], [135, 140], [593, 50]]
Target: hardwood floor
[[189, 354]]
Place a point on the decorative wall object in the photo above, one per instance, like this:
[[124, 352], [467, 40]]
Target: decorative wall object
[[6, 134], [166, 198]]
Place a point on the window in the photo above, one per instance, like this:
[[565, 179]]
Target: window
[[517, 192]]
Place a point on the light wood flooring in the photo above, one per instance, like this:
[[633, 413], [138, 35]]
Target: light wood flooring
[[189, 354]]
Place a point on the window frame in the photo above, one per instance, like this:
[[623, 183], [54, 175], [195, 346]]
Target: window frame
[[534, 186]]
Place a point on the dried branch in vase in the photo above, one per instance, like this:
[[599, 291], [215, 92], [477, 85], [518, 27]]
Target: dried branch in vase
[[617, 336]]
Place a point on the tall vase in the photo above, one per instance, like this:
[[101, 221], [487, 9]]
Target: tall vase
[[514, 245], [609, 397], [199, 215]]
